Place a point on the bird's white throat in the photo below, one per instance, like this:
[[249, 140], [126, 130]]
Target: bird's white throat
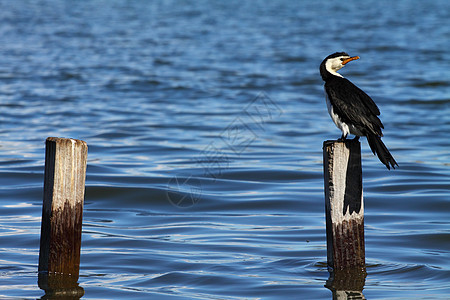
[[333, 65]]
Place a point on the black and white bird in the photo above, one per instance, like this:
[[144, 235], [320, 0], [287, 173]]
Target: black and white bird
[[351, 109]]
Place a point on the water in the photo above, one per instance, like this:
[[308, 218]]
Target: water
[[205, 123]]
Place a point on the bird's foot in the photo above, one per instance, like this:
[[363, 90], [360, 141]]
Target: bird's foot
[[342, 138]]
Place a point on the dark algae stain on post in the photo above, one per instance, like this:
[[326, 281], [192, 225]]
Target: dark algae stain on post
[[205, 122]]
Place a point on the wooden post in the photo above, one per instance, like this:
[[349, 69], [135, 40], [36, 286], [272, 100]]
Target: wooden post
[[344, 206], [62, 211]]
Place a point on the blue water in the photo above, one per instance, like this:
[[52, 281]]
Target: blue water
[[205, 122]]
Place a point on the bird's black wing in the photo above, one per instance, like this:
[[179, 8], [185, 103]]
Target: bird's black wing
[[353, 105]]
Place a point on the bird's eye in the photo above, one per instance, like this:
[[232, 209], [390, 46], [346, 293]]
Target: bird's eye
[[342, 59]]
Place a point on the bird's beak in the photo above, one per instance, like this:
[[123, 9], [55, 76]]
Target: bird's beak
[[350, 59]]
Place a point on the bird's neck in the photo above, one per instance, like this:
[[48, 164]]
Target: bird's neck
[[334, 73], [328, 73]]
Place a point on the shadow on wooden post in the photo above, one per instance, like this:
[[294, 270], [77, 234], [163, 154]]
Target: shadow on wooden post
[[62, 215], [344, 213]]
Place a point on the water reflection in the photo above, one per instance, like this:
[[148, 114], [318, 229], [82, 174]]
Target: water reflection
[[347, 284], [60, 286]]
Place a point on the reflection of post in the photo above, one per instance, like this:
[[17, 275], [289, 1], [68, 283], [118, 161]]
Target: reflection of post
[[347, 285], [62, 212], [344, 207], [344, 212], [60, 286]]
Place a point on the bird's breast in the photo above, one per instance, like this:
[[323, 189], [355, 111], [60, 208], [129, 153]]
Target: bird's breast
[[344, 127]]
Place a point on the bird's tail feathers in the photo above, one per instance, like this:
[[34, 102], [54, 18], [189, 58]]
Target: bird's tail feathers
[[379, 148]]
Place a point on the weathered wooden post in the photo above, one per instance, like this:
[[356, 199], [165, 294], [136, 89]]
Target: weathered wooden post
[[62, 212], [344, 206]]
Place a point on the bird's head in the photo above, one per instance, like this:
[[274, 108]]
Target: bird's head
[[333, 63]]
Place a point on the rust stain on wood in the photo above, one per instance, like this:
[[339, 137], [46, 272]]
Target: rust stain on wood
[[65, 239], [348, 245]]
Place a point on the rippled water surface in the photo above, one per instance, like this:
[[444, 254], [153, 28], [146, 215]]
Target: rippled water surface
[[205, 122]]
